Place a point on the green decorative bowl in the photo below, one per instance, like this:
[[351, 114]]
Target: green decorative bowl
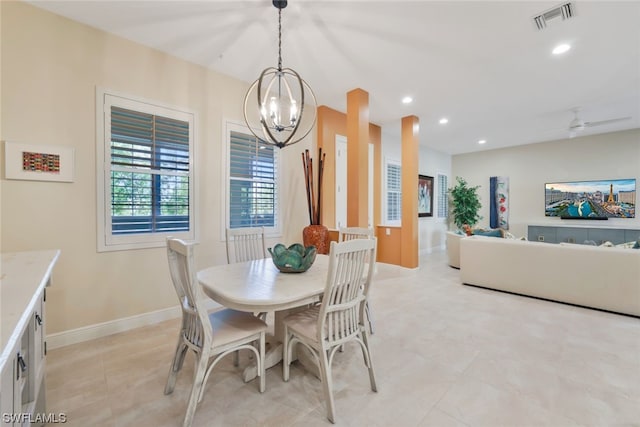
[[294, 259]]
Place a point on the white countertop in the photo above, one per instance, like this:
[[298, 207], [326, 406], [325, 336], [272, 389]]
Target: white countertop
[[23, 275]]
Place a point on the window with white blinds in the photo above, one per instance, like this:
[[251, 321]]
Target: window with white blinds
[[253, 182], [443, 196], [394, 191], [148, 177]]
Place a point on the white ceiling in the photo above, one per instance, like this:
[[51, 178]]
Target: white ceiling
[[484, 65]]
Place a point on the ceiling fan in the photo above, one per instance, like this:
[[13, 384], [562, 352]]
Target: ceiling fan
[[578, 125]]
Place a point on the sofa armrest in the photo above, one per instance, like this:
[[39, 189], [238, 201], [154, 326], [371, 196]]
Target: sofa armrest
[[453, 248]]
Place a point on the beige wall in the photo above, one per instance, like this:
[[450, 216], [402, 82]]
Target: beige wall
[[529, 167], [50, 69], [431, 230]]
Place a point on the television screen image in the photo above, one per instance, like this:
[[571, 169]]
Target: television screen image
[[615, 198]]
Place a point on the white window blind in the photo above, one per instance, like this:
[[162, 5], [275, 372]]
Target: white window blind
[[149, 173], [253, 172], [443, 196], [394, 192]]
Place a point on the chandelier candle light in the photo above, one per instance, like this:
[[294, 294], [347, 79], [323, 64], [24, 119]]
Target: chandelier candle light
[[281, 94], [314, 234]]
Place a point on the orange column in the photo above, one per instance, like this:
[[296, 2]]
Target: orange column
[[358, 158], [410, 153]]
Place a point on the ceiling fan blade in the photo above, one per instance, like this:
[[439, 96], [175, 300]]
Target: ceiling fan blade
[[605, 122]]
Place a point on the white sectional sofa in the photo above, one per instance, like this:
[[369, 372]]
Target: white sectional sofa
[[607, 278], [453, 248]]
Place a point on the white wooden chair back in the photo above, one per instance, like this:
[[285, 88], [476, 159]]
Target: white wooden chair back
[[348, 282], [350, 233], [196, 327], [245, 244]]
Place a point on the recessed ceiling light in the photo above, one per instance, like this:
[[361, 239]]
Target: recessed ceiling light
[[444, 121], [560, 49], [482, 141], [407, 100]]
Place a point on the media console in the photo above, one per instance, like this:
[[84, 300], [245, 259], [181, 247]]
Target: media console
[[581, 233]]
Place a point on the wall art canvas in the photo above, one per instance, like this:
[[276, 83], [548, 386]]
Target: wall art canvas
[[499, 202], [425, 195], [38, 162], [612, 198]]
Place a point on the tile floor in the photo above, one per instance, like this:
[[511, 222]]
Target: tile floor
[[445, 354]]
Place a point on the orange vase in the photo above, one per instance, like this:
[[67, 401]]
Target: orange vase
[[318, 236]]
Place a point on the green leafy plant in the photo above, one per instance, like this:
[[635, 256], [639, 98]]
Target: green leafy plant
[[465, 203]]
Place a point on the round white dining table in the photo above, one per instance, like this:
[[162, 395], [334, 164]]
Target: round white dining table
[[258, 286]]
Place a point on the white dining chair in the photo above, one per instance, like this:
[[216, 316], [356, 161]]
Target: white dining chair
[[338, 319], [211, 336], [350, 233], [245, 244]]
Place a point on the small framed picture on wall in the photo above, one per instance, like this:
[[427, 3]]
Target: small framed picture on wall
[[425, 195], [37, 162]]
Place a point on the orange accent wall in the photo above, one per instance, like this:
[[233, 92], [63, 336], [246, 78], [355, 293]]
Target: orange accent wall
[[375, 138], [389, 245], [410, 153], [330, 124]]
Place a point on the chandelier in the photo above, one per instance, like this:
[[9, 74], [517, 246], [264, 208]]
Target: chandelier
[[281, 95]]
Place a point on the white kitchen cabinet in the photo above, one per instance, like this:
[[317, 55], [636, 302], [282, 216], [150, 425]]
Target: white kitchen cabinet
[[24, 277]]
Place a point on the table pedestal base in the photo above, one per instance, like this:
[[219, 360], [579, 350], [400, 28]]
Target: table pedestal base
[[273, 356]]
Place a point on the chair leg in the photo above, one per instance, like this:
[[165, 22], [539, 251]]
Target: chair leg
[[236, 358], [369, 318], [286, 355], [176, 365], [198, 379], [261, 365], [325, 373], [372, 375]]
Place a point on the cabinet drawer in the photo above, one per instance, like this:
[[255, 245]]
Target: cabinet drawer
[[542, 234], [572, 235]]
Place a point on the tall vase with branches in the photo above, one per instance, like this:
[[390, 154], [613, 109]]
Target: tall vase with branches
[[315, 234]]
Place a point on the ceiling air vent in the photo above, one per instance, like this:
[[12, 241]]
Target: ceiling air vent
[[564, 11]]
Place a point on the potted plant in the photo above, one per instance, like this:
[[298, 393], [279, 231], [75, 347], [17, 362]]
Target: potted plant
[[465, 204]]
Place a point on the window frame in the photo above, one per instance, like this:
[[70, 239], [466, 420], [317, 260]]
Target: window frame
[[442, 210], [234, 126], [106, 240], [392, 222]]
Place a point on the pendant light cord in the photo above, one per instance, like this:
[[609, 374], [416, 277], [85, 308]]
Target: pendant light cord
[[279, 39]]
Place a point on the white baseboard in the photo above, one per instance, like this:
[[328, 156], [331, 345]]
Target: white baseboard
[[431, 250], [99, 330]]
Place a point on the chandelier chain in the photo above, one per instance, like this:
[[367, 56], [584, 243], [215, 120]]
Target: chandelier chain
[[279, 39]]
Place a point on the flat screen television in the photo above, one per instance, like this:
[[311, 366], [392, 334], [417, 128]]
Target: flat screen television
[[614, 198]]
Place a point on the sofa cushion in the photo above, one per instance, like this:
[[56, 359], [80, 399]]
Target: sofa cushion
[[497, 232]]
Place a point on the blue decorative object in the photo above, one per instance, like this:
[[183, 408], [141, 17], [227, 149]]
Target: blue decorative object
[[294, 259]]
